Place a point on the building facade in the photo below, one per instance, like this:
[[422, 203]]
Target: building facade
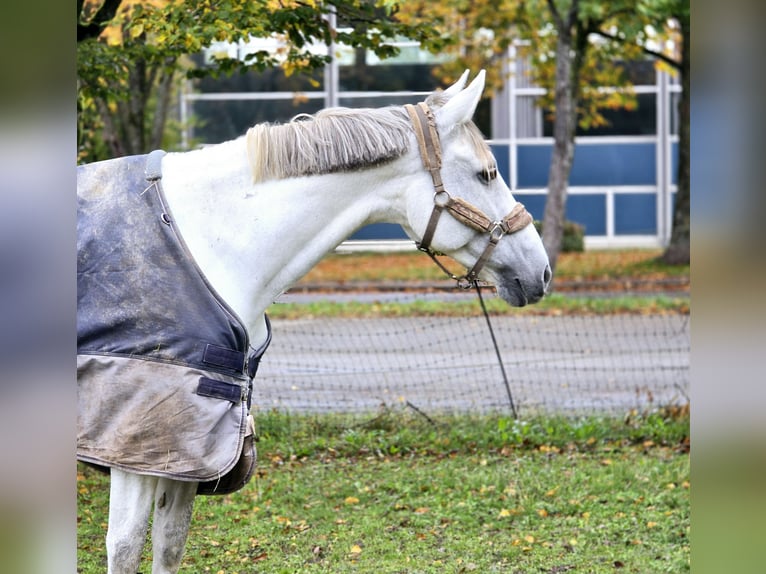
[[623, 179]]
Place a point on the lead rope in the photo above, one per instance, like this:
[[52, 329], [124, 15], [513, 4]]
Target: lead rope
[[497, 350], [430, 153]]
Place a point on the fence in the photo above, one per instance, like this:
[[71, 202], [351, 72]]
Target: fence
[[599, 364]]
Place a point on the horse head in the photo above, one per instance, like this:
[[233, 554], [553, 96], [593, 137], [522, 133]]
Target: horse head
[[469, 212]]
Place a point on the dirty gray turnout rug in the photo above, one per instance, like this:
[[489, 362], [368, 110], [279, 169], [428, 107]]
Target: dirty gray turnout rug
[[164, 366]]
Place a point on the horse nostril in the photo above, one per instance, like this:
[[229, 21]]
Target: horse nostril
[[547, 276]]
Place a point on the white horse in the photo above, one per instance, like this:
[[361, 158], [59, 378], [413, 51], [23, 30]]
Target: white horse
[[258, 212]]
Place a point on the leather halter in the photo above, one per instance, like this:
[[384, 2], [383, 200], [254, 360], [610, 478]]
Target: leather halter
[[430, 152]]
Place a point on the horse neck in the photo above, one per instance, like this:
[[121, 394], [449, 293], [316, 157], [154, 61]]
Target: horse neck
[[254, 241]]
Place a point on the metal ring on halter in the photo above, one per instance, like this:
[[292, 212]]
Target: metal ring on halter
[[442, 198]]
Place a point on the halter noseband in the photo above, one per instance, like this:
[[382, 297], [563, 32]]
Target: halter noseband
[[430, 151]]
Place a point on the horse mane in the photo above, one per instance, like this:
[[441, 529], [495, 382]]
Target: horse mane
[[340, 139], [332, 140]]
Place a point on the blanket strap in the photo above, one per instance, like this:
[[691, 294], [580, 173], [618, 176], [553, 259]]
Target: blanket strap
[[153, 168]]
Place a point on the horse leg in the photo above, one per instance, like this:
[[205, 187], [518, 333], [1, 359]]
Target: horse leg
[[173, 505], [130, 502]]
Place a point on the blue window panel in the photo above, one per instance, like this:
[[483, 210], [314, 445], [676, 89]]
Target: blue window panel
[[502, 156], [533, 162], [589, 210], [674, 163], [596, 164], [615, 164], [586, 209], [635, 214], [380, 231], [535, 204]]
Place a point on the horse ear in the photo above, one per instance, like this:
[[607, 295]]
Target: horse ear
[[457, 87], [461, 107]]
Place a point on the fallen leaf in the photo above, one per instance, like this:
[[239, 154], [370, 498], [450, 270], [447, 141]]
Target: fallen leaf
[[283, 520]]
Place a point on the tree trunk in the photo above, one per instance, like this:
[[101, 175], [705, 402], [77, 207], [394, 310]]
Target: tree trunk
[[134, 129], [110, 133], [164, 91], [565, 101], [562, 155], [678, 250]]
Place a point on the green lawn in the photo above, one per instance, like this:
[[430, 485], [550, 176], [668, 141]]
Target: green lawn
[[395, 492], [636, 280], [555, 304], [398, 493], [590, 265]]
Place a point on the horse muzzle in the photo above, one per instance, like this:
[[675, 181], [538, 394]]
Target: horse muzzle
[[518, 291]]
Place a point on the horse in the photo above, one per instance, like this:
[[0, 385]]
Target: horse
[[254, 215]]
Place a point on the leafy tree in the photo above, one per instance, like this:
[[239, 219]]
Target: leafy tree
[[129, 54], [573, 22], [573, 46], [673, 17]]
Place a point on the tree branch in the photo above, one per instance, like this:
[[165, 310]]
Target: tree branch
[[556, 16], [659, 55], [96, 23], [572, 18]]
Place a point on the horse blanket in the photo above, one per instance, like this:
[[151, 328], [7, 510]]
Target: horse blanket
[[164, 366]]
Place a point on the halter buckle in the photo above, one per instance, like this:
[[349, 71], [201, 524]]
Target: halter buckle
[[464, 282], [497, 232]]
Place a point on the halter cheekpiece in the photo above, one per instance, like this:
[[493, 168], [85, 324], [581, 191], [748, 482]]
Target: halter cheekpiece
[[430, 151]]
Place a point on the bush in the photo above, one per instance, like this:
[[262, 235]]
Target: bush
[[574, 236]]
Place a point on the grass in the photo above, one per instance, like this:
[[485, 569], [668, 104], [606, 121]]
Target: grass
[[398, 493], [555, 304], [636, 273], [617, 264]]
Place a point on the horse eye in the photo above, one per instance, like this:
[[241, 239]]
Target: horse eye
[[487, 175]]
